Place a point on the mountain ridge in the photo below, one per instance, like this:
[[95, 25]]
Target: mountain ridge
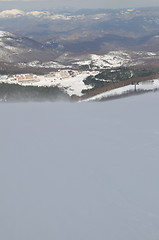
[[17, 48]]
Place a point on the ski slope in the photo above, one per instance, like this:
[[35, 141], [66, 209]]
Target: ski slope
[[80, 171], [150, 85]]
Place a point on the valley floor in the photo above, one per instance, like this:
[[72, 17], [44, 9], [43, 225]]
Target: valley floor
[[72, 82], [69, 80]]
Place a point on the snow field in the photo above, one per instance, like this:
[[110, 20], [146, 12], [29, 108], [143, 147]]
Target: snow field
[[80, 171]]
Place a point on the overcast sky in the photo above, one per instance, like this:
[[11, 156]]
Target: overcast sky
[[77, 4]]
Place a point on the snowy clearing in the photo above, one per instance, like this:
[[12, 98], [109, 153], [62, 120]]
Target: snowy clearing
[[112, 59], [70, 81]]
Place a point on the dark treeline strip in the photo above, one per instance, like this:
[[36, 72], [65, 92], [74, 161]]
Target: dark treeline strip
[[115, 85]]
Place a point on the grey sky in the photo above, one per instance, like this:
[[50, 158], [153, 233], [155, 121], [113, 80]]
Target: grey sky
[[77, 4]]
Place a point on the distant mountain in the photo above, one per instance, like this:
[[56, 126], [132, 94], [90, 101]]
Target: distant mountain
[[15, 13], [11, 13], [15, 48], [46, 35]]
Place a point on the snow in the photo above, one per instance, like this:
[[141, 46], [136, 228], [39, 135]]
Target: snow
[[80, 171], [151, 54], [60, 17], [14, 49], [37, 13], [131, 10], [145, 86], [11, 13], [72, 84], [15, 13], [9, 37], [38, 64], [112, 59], [5, 34]]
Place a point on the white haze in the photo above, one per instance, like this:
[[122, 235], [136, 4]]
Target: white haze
[[80, 171]]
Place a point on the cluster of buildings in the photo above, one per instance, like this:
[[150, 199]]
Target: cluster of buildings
[[19, 78], [31, 78]]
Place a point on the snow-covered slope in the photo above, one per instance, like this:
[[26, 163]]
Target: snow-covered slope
[[18, 48], [72, 82], [9, 46], [112, 59], [115, 59], [80, 171], [151, 85]]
